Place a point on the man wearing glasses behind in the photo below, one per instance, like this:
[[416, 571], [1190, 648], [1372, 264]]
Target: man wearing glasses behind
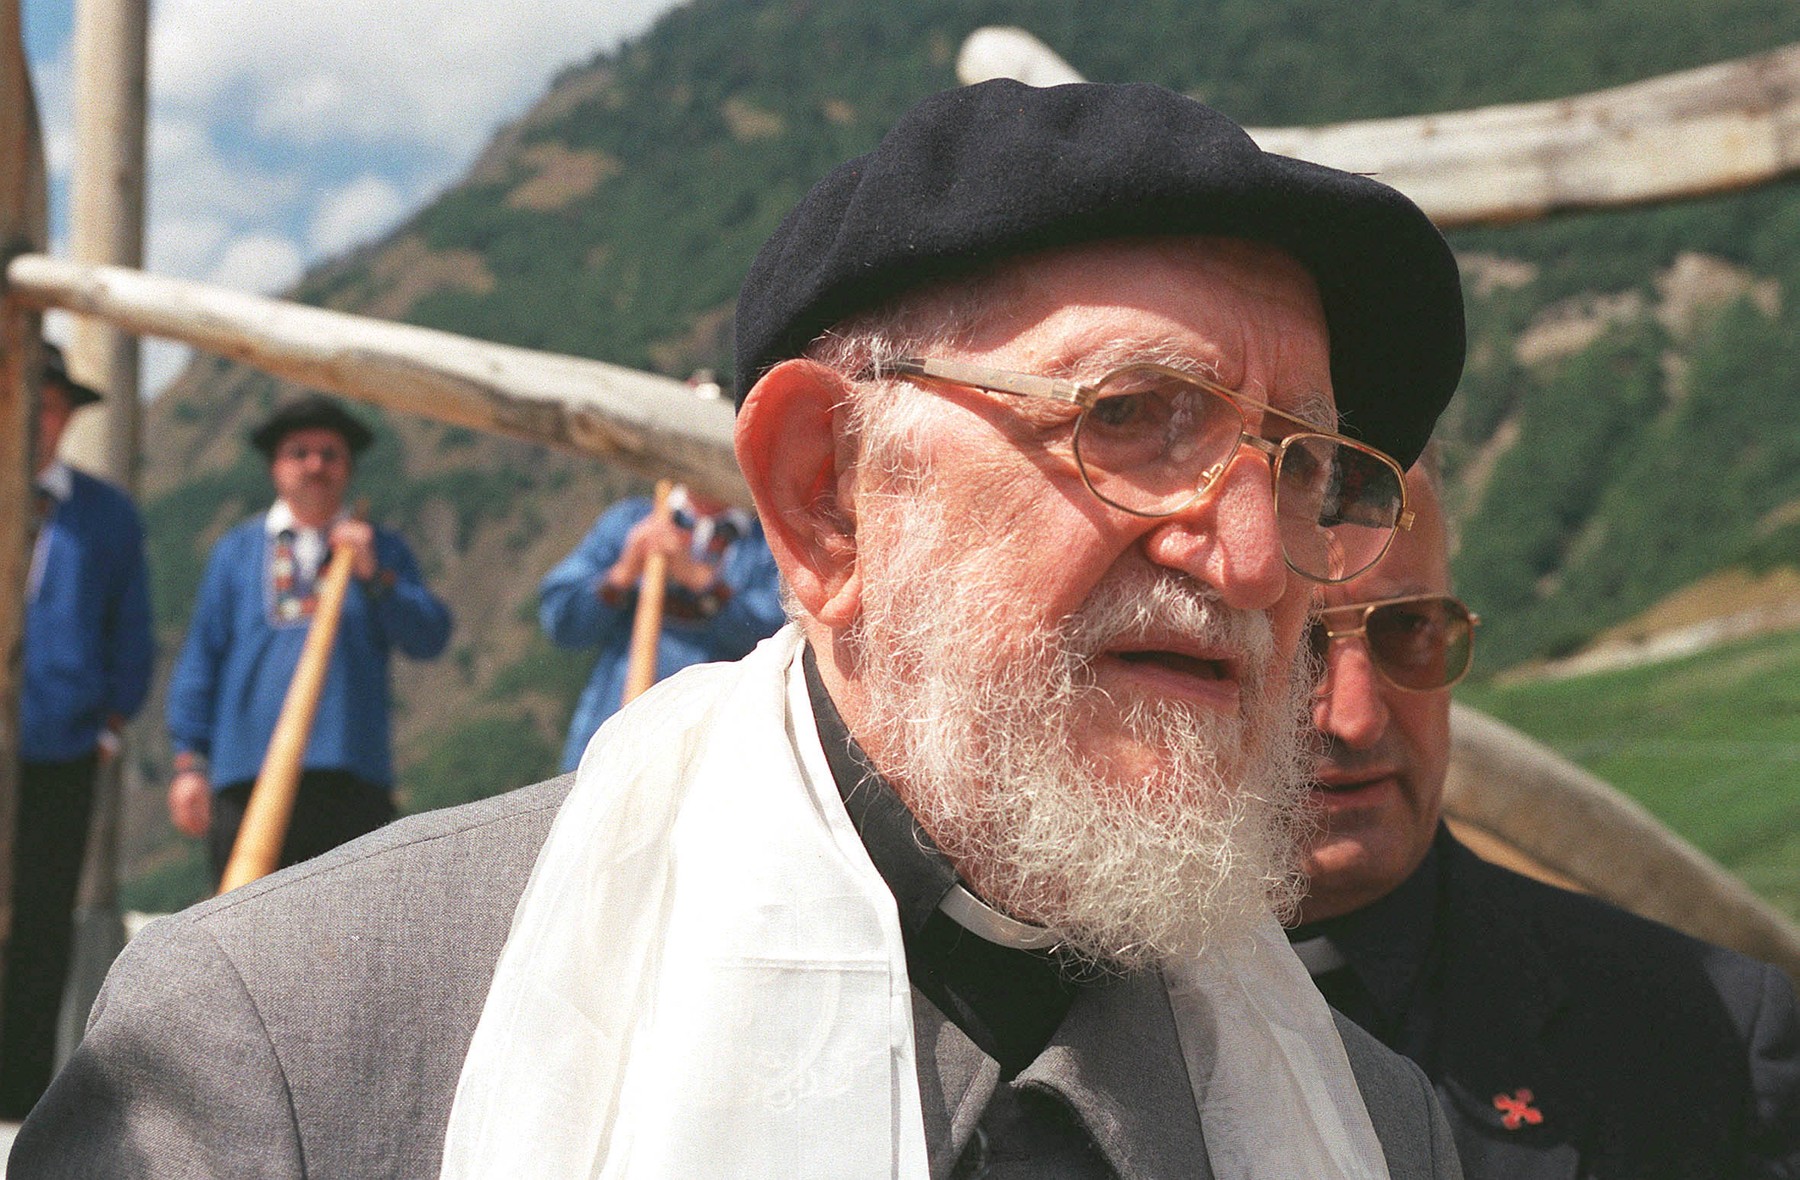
[[1565, 1037]]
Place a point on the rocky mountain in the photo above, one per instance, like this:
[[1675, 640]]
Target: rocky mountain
[[1627, 424]]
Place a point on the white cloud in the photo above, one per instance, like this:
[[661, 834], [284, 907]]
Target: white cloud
[[190, 171], [186, 246], [259, 263], [353, 214], [284, 132], [54, 81], [435, 74], [203, 205], [160, 362]]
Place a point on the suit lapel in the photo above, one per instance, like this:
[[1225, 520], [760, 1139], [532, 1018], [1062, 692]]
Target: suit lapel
[[1116, 1062], [956, 1083], [1508, 1103]]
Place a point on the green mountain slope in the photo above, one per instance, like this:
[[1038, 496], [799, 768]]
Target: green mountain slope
[[1626, 425], [1710, 744]]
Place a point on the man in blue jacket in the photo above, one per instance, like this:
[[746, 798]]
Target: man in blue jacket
[[88, 650], [722, 596], [250, 622]]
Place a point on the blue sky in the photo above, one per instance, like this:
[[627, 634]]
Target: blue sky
[[283, 132]]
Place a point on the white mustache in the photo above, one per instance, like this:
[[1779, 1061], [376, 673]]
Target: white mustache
[[1137, 606]]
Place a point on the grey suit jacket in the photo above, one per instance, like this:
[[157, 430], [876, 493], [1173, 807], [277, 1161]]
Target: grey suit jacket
[[1110, 1096], [315, 1023]]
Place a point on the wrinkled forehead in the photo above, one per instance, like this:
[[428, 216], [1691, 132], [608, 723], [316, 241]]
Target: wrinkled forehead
[[1244, 313], [1118, 296]]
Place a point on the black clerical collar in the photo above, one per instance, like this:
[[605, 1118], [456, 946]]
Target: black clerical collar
[[1387, 943], [1008, 1001]]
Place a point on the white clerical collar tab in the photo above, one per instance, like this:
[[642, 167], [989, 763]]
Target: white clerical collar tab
[[1318, 955], [983, 920]]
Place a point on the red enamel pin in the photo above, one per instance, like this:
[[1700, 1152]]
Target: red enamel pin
[[1516, 1110]]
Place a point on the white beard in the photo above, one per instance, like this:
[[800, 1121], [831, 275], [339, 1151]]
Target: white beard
[[977, 720]]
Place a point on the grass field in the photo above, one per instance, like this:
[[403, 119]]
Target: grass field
[[1710, 744]]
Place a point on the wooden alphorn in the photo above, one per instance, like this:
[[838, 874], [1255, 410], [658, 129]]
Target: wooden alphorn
[[257, 850], [646, 625]]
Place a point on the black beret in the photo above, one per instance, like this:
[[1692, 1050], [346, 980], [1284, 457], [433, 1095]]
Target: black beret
[[981, 173], [56, 370], [309, 412]]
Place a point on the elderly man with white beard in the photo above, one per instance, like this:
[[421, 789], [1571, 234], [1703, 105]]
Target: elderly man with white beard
[[1057, 407]]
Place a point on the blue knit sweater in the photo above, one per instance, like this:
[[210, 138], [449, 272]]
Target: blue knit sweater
[[88, 644], [572, 615], [234, 669]]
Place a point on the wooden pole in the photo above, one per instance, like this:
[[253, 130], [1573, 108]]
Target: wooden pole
[[642, 422], [1713, 129], [646, 624], [106, 224], [24, 226], [257, 851], [1519, 803]]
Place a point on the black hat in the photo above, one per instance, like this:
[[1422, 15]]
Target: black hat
[[981, 173], [56, 369], [312, 411]]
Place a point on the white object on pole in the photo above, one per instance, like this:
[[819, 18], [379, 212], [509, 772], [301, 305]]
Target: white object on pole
[[996, 52]]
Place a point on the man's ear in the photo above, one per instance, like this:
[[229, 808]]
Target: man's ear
[[793, 451]]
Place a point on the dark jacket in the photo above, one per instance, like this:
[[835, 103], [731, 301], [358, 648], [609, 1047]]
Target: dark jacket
[[1648, 1055], [88, 645]]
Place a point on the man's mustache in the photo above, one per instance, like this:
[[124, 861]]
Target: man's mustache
[[1150, 602], [1334, 752]]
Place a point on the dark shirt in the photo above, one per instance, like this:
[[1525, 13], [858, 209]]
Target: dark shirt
[[1390, 955], [1008, 1001]]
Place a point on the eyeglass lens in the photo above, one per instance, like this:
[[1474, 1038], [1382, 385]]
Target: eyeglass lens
[[1420, 645], [1153, 439]]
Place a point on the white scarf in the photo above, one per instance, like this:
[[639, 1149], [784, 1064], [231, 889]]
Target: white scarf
[[705, 978]]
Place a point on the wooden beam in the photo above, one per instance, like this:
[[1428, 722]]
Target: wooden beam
[[650, 424], [1713, 129], [24, 225], [1720, 127], [1530, 808]]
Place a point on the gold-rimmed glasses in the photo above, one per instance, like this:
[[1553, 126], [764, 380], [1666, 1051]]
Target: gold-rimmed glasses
[[1419, 642], [1150, 440]]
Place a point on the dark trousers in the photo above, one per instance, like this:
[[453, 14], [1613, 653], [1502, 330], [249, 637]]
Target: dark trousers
[[55, 801], [331, 807]]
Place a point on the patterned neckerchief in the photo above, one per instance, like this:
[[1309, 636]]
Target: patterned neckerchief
[[294, 592], [295, 555]]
